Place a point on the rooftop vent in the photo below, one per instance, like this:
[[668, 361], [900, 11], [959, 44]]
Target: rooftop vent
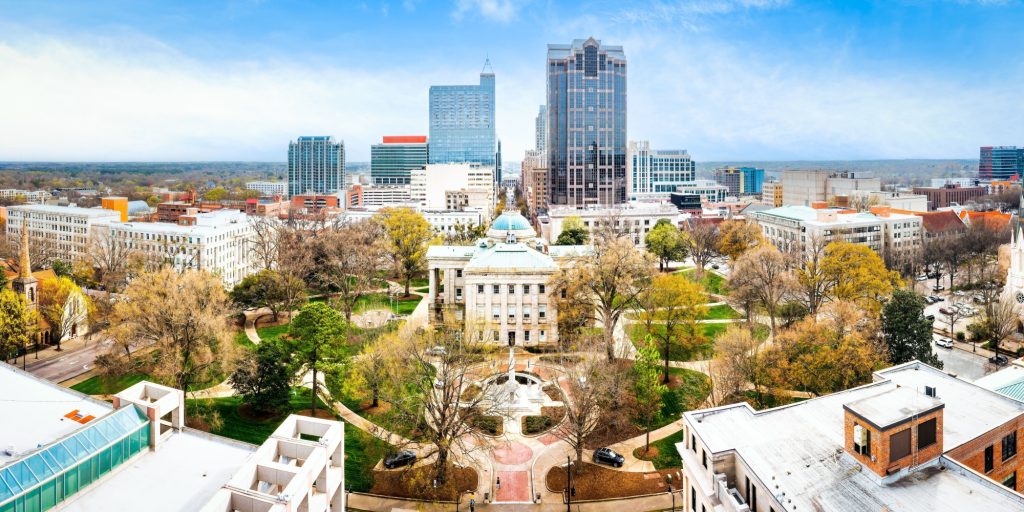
[[930, 391]]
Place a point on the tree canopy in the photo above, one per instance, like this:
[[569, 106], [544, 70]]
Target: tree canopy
[[907, 332]]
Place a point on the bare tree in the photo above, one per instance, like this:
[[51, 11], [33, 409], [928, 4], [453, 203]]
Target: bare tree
[[764, 271], [265, 244], [1003, 320], [350, 259], [702, 243], [110, 260], [585, 391], [812, 282], [436, 395]]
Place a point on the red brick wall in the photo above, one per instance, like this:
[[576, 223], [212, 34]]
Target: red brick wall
[[972, 453], [880, 443]]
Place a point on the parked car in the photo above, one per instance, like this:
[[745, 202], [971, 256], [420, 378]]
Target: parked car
[[922, 277], [998, 360], [939, 298], [959, 293], [944, 311], [944, 342], [938, 288], [608, 457], [399, 459], [437, 351], [931, 317], [714, 266], [980, 299]]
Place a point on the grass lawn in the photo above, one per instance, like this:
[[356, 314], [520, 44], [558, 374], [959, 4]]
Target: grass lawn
[[687, 390], [667, 457], [243, 341], [362, 451], [108, 385], [244, 428], [381, 301], [271, 332], [712, 282], [722, 312]]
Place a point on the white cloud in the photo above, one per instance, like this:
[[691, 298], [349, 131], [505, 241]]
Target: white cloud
[[132, 99], [502, 11]]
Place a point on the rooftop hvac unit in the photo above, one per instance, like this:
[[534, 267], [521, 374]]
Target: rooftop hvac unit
[[860, 435]]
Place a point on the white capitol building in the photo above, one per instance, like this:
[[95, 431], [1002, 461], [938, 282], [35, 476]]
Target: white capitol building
[[499, 286]]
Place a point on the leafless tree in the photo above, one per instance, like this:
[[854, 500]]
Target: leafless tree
[[764, 272], [586, 390], [1002, 320], [350, 258], [702, 243], [266, 241], [110, 260]]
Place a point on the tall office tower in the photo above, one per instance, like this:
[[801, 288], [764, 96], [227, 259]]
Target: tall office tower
[[541, 134], [497, 166], [586, 101], [316, 164], [1000, 163], [653, 173], [462, 121], [397, 155]]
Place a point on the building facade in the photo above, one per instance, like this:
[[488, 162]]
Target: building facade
[[541, 129], [586, 101], [395, 157], [740, 180], [462, 121], [1001, 163], [654, 174], [709, 191], [947, 195], [269, 188], [453, 187], [803, 187], [217, 242], [632, 219], [316, 164], [771, 193], [499, 287], [65, 231], [534, 180], [28, 196]]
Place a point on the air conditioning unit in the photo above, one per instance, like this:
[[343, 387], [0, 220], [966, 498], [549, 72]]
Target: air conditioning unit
[[860, 435]]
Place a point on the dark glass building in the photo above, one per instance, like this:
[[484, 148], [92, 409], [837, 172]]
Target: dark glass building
[[1000, 163], [316, 164], [586, 132], [392, 161]]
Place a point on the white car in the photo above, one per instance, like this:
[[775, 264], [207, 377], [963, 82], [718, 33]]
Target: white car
[[921, 277], [944, 342]]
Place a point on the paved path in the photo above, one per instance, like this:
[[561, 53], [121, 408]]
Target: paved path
[[75, 358]]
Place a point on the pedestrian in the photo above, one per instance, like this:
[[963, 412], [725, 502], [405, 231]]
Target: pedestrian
[[497, 483]]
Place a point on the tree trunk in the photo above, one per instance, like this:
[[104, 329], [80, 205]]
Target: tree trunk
[[441, 466], [408, 280], [665, 379], [376, 397], [579, 457]]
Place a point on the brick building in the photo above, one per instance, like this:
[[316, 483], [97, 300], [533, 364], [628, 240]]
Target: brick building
[[942, 197]]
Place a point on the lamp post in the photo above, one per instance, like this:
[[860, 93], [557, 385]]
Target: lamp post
[[570, 491]]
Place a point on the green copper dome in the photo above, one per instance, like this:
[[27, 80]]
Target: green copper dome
[[511, 222]]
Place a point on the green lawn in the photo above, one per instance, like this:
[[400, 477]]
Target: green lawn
[[705, 350], [271, 332], [668, 456], [693, 388], [381, 301], [712, 282], [245, 429], [362, 451], [722, 312], [108, 385], [243, 341]]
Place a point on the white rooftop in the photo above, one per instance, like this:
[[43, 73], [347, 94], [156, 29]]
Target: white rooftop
[[187, 470], [34, 411], [65, 210], [800, 449], [891, 407]]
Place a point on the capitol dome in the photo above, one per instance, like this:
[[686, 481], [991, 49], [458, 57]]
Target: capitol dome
[[511, 222]]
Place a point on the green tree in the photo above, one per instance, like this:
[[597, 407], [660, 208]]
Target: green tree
[[266, 288], [907, 332], [263, 377], [666, 242], [573, 232], [859, 275], [318, 331], [62, 268], [647, 386], [17, 323], [408, 234], [216, 194], [671, 308]]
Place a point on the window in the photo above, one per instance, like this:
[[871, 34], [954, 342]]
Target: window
[[563, 293], [526, 335], [693, 498], [541, 288], [926, 434], [1011, 481], [512, 289], [458, 272], [495, 312], [1010, 446], [495, 335], [693, 443], [704, 458], [527, 310], [542, 311], [899, 445], [526, 289], [543, 335], [512, 313], [480, 289], [458, 293], [989, 458]]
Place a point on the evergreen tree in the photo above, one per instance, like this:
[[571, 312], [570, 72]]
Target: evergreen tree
[[907, 332], [263, 377]]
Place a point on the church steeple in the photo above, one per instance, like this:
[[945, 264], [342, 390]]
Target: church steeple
[[25, 283], [1020, 212]]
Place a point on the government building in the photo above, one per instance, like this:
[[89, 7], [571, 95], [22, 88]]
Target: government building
[[500, 285]]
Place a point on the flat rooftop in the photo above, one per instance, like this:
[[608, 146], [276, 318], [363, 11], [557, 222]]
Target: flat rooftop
[[187, 470], [892, 407], [35, 411], [800, 448]]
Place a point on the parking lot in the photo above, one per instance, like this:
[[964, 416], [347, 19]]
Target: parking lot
[[962, 362]]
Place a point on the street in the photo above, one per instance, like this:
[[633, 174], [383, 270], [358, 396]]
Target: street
[[68, 364]]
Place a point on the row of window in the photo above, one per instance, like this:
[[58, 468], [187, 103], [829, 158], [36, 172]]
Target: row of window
[[1008, 448], [496, 288]]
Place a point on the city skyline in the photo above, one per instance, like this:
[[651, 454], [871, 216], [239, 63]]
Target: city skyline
[[749, 80]]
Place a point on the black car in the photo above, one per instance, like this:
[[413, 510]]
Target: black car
[[397, 460], [998, 360], [607, 456]]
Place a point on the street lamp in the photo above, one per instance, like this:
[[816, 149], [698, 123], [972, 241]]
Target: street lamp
[[570, 490]]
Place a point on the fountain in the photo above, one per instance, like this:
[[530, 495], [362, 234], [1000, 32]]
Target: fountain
[[520, 392]]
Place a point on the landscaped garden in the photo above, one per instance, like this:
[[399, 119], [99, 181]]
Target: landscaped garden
[[109, 384], [663, 453], [595, 482], [712, 282]]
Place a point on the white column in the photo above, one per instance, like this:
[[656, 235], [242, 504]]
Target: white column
[[432, 291]]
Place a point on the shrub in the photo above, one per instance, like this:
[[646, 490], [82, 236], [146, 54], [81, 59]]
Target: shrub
[[960, 336], [490, 425], [536, 424]]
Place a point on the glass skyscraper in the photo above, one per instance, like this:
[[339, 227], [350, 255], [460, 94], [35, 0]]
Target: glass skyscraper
[[541, 134], [462, 122], [586, 139], [392, 160], [657, 173], [1000, 163], [316, 164]]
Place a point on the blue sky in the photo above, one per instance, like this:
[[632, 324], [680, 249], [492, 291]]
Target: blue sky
[[727, 80]]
